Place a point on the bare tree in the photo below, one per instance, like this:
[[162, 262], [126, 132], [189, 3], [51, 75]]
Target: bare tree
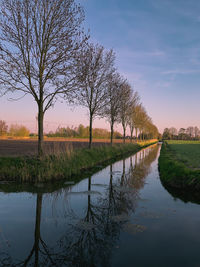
[[125, 104], [38, 43], [173, 132], [143, 120], [131, 117], [150, 130], [139, 118], [190, 131], [111, 110], [94, 66], [196, 132]]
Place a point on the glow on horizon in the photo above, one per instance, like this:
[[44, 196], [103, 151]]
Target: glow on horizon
[[157, 49]]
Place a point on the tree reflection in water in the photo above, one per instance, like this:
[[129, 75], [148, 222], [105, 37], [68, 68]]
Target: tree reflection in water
[[90, 240]]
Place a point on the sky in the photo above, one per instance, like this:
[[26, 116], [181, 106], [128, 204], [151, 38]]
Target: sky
[[157, 46]]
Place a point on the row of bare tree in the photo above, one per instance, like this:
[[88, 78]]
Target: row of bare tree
[[45, 53]]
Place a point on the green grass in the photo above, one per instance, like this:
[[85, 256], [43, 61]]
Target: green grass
[[187, 152], [63, 165], [179, 164]]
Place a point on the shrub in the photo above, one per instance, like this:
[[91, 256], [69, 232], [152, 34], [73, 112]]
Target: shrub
[[18, 130]]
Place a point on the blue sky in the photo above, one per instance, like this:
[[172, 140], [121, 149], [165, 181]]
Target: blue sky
[[157, 45]]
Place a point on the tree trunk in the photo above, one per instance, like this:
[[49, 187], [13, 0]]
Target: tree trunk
[[90, 130], [124, 128], [132, 134], [111, 133], [136, 134], [40, 129]]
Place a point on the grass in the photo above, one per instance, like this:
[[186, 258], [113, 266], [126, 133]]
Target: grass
[[179, 164], [187, 152], [59, 166]]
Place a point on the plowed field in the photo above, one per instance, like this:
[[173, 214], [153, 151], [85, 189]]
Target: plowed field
[[29, 147]]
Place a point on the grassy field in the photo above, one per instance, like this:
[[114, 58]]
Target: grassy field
[[187, 152], [179, 164], [63, 164]]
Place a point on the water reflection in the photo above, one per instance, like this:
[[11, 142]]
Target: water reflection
[[184, 195], [87, 236]]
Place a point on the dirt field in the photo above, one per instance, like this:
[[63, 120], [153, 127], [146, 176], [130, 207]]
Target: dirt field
[[21, 147]]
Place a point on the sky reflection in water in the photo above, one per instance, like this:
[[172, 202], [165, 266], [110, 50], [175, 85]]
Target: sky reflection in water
[[121, 215]]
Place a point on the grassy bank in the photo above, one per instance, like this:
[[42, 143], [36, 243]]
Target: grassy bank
[[179, 164], [63, 165]]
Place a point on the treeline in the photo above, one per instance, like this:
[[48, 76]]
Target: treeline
[[13, 130], [78, 132], [44, 52], [82, 132], [190, 133]]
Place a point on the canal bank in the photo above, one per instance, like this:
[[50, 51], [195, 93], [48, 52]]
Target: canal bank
[[65, 165], [175, 172]]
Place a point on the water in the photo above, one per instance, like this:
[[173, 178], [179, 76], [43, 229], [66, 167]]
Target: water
[[121, 216]]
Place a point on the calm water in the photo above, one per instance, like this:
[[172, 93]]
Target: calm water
[[120, 216]]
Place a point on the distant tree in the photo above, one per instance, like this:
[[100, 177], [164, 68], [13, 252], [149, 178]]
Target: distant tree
[[3, 127], [173, 133], [182, 135], [65, 132], [125, 105], [39, 41], [81, 131], [144, 122], [132, 113], [18, 131], [182, 131], [94, 67], [196, 132], [101, 133], [141, 120], [190, 131], [136, 118], [166, 134], [150, 130], [117, 135], [111, 110]]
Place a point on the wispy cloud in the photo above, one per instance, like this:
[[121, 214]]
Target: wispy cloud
[[163, 84], [140, 54], [179, 71]]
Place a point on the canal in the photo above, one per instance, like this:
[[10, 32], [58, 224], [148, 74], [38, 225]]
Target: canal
[[120, 216]]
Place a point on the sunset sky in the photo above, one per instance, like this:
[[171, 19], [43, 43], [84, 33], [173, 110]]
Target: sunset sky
[[157, 45]]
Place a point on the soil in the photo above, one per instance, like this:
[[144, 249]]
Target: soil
[[29, 147]]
